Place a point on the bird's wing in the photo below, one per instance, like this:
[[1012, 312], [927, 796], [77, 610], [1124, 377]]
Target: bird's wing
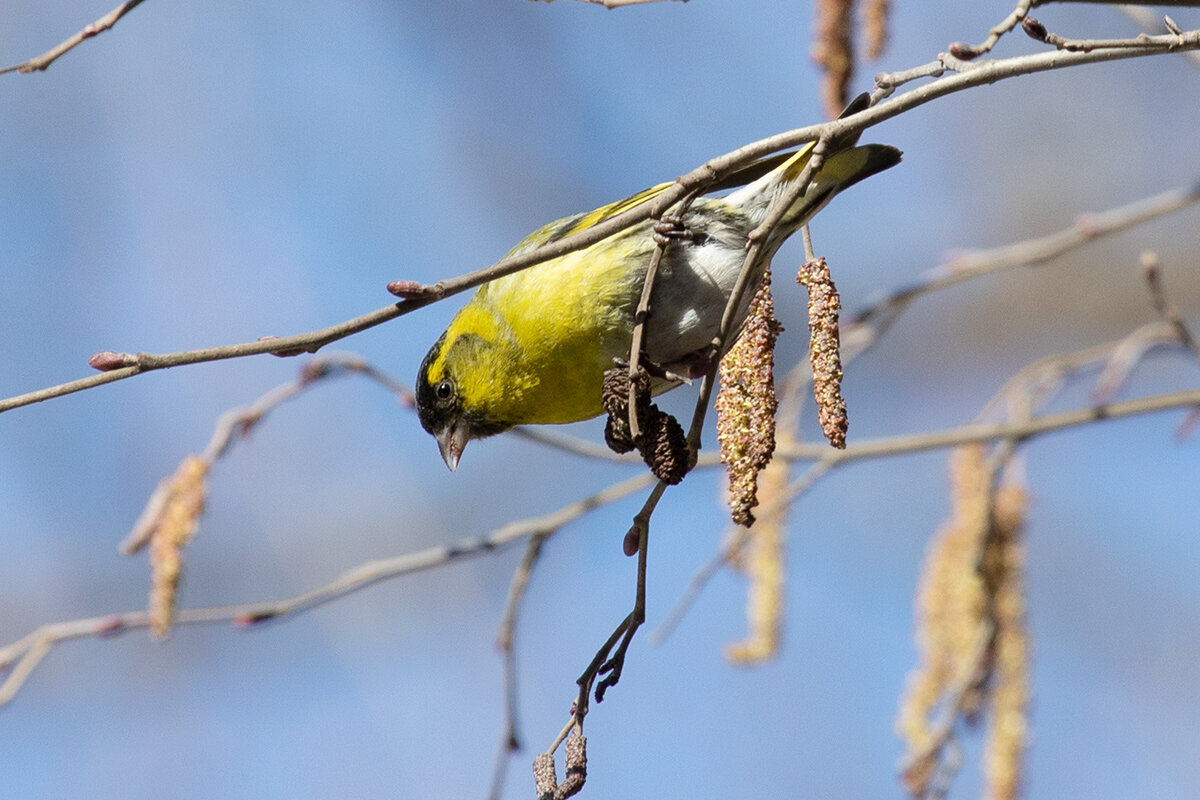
[[567, 226], [562, 228]]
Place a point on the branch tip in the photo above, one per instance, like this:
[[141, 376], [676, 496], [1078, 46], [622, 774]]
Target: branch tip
[[107, 360], [410, 290], [1148, 261], [252, 619], [1035, 30], [961, 50], [629, 545]]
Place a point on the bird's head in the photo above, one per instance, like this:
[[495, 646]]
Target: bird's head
[[453, 388]]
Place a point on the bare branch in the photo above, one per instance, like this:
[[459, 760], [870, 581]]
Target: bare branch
[[22, 656], [868, 325], [510, 741], [1038, 31], [417, 296], [1035, 426], [47, 58], [1151, 21], [1163, 307], [967, 51]]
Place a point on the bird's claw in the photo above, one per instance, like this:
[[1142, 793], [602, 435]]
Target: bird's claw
[[655, 370], [671, 229], [659, 371]]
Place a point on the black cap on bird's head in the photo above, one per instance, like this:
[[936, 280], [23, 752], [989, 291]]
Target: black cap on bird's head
[[444, 398], [439, 407]]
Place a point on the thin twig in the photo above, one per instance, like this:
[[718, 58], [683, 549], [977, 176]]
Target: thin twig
[[886, 83], [1036, 30], [1151, 21], [967, 51], [608, 661], [574, 445], [510, 741], [38, 63], [967, 74], [235, 424], [980, 432], [1163, 307], [642, 314], [868, 325], [639, 328]]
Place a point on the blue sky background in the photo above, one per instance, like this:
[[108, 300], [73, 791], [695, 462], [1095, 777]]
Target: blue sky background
[[207, 173]]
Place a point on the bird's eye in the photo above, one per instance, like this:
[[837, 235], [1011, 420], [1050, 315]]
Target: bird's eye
[[444, 390]]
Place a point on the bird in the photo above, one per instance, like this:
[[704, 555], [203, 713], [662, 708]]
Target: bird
[[532, 347]]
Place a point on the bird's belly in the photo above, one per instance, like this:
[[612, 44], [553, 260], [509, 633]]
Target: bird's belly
[[689, 300]]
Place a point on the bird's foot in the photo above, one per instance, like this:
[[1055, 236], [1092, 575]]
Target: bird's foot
[[671, 229], [656, 370]]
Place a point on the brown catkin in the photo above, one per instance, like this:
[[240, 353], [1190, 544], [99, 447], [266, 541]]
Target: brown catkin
[[1004, 562], [824, 306], [746, 403], [664, 447], [971, 633], [614, 397], [762, 559], [833, 51], [875, 24], [662, 443], [951, 605]]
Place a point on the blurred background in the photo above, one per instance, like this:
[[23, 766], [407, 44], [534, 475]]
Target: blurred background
[[208, 173]]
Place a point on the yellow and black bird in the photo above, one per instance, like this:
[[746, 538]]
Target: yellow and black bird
[[532, 347]]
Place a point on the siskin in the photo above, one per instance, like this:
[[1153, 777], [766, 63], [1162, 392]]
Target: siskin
[[532, 347]]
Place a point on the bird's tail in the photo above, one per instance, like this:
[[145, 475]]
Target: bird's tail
[[840, 170], [845, 166]]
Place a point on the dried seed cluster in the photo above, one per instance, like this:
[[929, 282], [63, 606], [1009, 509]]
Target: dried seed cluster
[[824, 306], [662, 443], [178, 510], [746, 403], [971, 632]]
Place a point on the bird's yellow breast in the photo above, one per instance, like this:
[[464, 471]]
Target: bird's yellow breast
[[538, 341]]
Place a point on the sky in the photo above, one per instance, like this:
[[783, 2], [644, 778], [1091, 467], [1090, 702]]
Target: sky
[[208, 173]]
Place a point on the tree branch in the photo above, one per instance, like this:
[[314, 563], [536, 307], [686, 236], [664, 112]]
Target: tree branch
[[23, 655], [968, 74], [39, 63]]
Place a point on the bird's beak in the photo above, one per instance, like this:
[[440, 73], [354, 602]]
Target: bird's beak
[[451, 440]]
